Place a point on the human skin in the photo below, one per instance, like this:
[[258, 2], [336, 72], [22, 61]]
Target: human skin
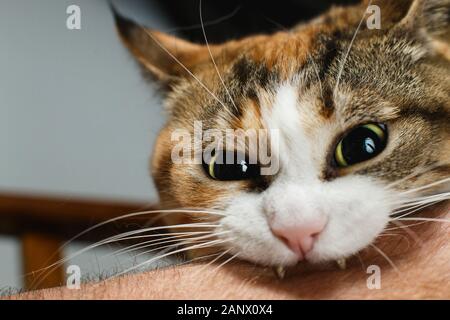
[[422, 264]]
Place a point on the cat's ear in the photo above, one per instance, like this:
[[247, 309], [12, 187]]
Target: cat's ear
[[429, 17], [165, 57]]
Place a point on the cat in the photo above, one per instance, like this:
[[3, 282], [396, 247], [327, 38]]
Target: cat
[[362, 118]]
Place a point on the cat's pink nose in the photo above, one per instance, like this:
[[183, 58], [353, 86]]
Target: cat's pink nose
[[299, 237]]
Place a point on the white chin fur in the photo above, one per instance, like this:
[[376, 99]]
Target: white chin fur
[[356, 207], [358, 211]]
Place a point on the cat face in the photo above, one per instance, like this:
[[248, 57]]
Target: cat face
[[358, 124]]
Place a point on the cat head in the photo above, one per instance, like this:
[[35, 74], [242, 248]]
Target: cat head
[[357, 121]]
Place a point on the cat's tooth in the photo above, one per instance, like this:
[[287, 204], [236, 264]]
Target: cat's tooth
[[280, 272], [342, 263]]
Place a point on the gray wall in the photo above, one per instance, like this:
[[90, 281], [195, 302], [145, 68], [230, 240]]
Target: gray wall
[[76, 118]]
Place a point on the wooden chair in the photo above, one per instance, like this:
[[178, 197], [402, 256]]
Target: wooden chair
[[44, 223]]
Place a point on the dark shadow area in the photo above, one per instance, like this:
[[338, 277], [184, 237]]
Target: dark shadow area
[[225, 20]]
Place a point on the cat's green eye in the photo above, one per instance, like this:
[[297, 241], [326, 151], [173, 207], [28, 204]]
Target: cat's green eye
[[219, 167], [361, 144]]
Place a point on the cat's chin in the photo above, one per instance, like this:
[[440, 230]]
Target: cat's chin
[[288, 260], [315, 259]]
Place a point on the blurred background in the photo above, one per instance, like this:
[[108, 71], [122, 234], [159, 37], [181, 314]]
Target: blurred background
[[78, 122]]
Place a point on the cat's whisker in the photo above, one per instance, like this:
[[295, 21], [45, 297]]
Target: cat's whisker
[[409, 199], [310, 58], [342, 64], [218, 255], [166, 247], [185, 68], [404, 227], [165, 236], [214, 62], [408, 231], [441, 220], [422, 200], [361, 262], [410, 206], [154, 242], [221, 254], [118, 237], [143, 246], [410, 212], [206, 24], [407, 228], [419, 204], [196, 246], [316, 70], [410, 209], [224, 263], [213, 261], [414, 174], [39, 280], [427, 186], [142, 230], [202, 215], [48, 269], [199, 258], [385, 256], [133, 215], [384, 234], [186, 241]]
